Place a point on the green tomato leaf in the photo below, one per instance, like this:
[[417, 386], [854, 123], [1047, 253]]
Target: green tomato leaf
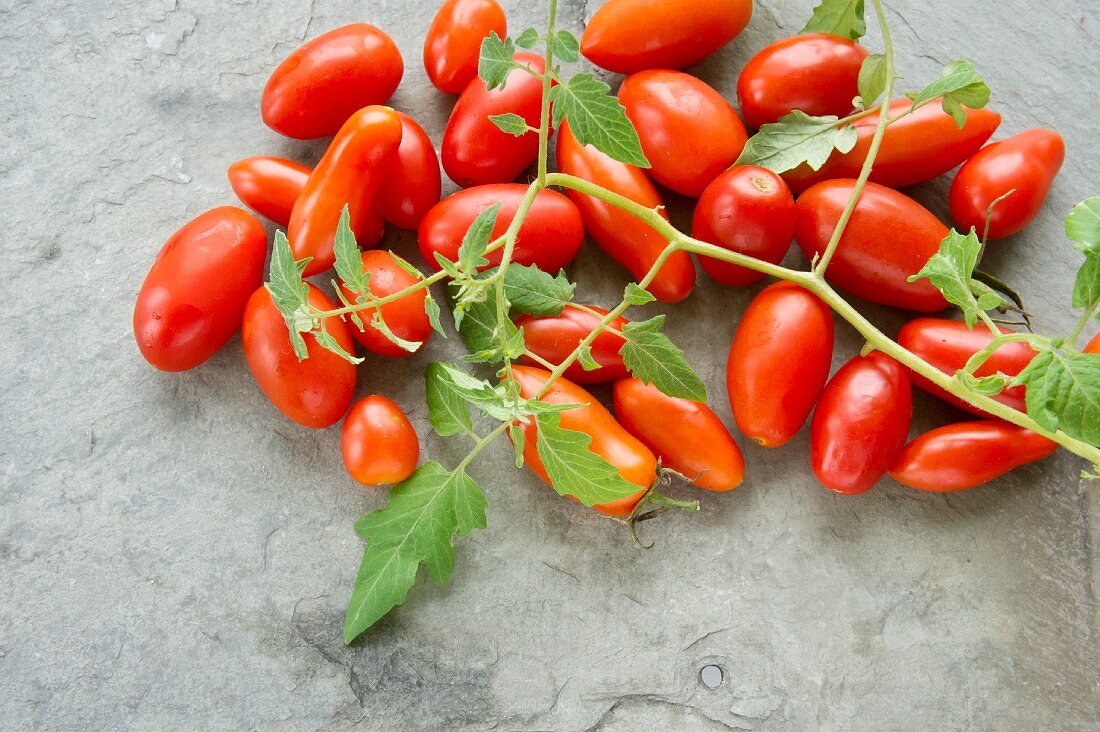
[[290, 293], [1083, 225], [471, 254], [635, 295], [519, 441], [496, 61], [587, 362], [533, 291], [597, 118], [431, 308], [349, 260], [565, 46], [573, 469], [872, 78], [1086, 288], [1063, 392], [951, 271], [839, 18], [796, 139], [479, 323], [652, 357], [327, 341], [960, 86], [492, 400], [988, 385], [528, 38], [511, 124], [382, 327], [448, 412]]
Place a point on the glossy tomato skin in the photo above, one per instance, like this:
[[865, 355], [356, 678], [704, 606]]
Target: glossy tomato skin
[[817, 73], [474, 151], [689, 132], [315, 392], [922, 146], [192, 301], [628, 241], [687, 436], [889, 238], [949, 344], [405, 317], [1026, 164], [378, 443], [860, 423], [1093, 346], [634, 460], [268, 185], [412, 183], [964, 455], [319, 86], [778, 362], [349, 174], [749, 210], [553, 338], [549, 238], [625, 36], [453, 43]]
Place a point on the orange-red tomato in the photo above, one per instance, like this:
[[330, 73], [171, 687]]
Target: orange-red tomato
[[378, 442], [319, 86], [411, 184], [778, 362], [631, 35], [554, 338], [193, 298], [406, 317], [315, 392], [1093, 346], [268, 185], [687, 436], [453, 43]]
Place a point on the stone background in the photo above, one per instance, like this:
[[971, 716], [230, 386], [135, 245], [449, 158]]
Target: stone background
[[176, 555]]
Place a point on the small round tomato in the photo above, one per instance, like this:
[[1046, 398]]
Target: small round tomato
[[689, 132], [748, 210], [889, 238], [1093, 346], [817, 73], [406, 316], [453, 44], [549, 238], [268, 185], [1024, 164], [554, 338], [687, 436], [412, 183], [316, 391], [778, 362], [192, 301], [860, 423], [967, 454], [319, 86], [625, 36], [378, 442]]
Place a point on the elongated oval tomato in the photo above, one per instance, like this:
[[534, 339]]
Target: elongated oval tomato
[[609, 440], [268, 185], [778, 362], [815, 72], [411, 183], [475, 151], [319, 86], [315, 392], [689, 132], [687, 436], [1093, 346], [964, 455], [625, 36], [860, 423], [919, 147], [193, 298], [378, 443], [634, 245], [406, 316], [889, 238], [348, 174], [453, 43], [1023, 167], [549, 238], [748, 210], [949, 344], [553, 338]]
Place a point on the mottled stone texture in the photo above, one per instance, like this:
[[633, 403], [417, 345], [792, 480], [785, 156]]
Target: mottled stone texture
[[176, 555]]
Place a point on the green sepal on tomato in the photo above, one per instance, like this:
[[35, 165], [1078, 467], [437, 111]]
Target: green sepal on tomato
[[405, 317], [554, 337], [453, 43], [378, 443]]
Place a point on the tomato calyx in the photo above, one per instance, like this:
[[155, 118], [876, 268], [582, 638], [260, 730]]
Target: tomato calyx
[[653, 503]]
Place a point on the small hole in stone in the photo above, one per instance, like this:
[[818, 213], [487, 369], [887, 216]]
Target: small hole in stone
[[711, 676]]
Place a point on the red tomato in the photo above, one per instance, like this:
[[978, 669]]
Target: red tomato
[[1025, 163], [349, 173], [475, 151], [747, 210], [453, 44], [378, 442], [609, 440], [949, 344], [689, 132], [1093, 345], [554, 338], [628, 241], [406, 317], [687, 436], [411, 184], [889, 238], [549, 238], [269, 186], [319, 86], [315, 392], [860, 423], [815, 72], [917, 148], [193, 298], [967, 454], [625, 36], [778, 362]]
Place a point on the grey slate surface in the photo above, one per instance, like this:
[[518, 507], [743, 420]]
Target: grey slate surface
[[176, 555]]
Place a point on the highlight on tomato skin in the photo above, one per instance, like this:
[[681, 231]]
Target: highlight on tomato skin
[[453, 43], [553, 338], [378, 443]]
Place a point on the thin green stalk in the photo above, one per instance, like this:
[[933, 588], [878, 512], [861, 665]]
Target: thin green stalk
[[1086, 317], [544, 124], [975, 362]]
